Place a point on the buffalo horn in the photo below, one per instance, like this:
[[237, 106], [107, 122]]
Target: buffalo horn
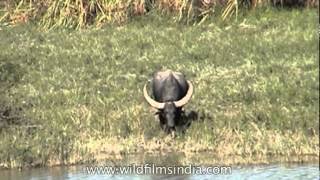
[[186, 98], [152, 102]]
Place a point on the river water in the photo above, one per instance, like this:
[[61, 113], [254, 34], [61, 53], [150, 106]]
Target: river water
[[276, 171]]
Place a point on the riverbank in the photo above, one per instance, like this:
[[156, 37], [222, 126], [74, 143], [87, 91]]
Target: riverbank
[[75, 96], [169, 151]]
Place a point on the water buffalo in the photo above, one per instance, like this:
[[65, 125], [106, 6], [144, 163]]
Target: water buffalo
[[171, 92]]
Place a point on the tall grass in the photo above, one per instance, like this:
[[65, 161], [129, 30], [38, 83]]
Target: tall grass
[[83, 13], [80, 13]]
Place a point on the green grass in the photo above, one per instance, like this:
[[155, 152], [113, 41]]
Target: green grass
[[71, 96]]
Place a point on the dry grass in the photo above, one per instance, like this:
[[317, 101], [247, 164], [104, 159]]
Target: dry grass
[[233, 147], [84, 13]]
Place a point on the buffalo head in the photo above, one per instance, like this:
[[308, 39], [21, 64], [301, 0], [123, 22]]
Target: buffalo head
[[171, 92]]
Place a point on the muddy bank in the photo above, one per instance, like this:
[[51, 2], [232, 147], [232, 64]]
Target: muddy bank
[[169, 150]]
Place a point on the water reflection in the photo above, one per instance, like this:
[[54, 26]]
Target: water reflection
[[305, 172]]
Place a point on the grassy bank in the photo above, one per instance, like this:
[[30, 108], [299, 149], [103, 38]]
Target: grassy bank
[[76, 96]]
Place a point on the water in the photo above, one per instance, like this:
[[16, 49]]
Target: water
[[278, 171]]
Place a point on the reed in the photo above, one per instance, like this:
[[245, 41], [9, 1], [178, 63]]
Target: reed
[[83, 13]]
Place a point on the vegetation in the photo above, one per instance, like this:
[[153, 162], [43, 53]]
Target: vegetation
[[83, 13], [71, 96]]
